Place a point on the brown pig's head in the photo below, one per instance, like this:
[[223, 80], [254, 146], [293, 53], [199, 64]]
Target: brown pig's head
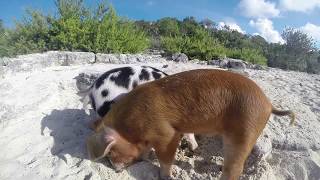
[[109, 143]]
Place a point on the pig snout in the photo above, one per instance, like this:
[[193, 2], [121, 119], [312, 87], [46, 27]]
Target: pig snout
[[118, 167]]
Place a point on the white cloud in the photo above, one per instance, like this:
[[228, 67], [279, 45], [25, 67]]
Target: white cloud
[[231, 25], [299, 5], [258, 9], [265, 29], [312, 30]]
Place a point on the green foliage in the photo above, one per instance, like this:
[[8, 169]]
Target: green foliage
[[168, 27], [189, 26], [30, 35], [313, 62], [258, 42], [98, 31], [71, 9], [173, 44], [231, 39], [68, 31], [4, 48], [1, 26], [150, 28], [297, 47], [67, 34], [197, 42], [298, 53], [253, 56], [208, 23], [119, 36], [201, 45], [75, 28]]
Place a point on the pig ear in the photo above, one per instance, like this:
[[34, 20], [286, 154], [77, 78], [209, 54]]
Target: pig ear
[[110, 141], [99, 145]]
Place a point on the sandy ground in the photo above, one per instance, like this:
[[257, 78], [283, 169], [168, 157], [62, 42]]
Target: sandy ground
[[43, 130]]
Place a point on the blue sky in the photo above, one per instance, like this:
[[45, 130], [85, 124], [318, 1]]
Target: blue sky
[[264, 17]]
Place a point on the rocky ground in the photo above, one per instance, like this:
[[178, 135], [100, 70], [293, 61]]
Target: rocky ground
[[43, 126]]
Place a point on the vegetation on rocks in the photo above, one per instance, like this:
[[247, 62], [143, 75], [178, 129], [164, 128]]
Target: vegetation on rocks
[[75, 27]]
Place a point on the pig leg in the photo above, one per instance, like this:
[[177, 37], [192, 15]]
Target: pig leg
[[165, 151], [236, 151], [191, 141]]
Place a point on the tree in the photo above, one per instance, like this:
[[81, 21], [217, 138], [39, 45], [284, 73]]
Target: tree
[[117, 35], [31, 34], [298, 46], [3, 41], [275, 56], [67, 30], [189, 26], [297, 41], [259, 42], [168, 26], [298, 53], [76, 27], [208, 23], [71, 8], [313, 62], [150, 28], [1, 26]]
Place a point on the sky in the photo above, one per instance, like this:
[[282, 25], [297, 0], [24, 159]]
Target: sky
[[267, 18]]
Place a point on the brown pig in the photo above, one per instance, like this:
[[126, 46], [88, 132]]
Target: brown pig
[[156, 114]]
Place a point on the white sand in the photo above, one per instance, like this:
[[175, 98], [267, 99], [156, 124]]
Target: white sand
[[43, 130]]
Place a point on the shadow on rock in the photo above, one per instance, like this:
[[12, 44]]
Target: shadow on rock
[[208, 158], [69, 129], [211, 152], [144, 170]]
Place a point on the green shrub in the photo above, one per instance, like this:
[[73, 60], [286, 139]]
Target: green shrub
[[250, 55], [30, 35], [168, 26], [100, 31], [4, 47], [75, 28], [174, 44], [201, 45], [70, 30], [79, 28], [67, 34], [116, 35]]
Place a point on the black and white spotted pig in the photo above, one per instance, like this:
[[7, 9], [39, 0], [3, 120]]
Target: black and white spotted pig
[[117, 82]]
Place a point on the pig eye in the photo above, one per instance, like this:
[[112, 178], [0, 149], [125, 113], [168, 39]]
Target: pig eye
[[109, 154]]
